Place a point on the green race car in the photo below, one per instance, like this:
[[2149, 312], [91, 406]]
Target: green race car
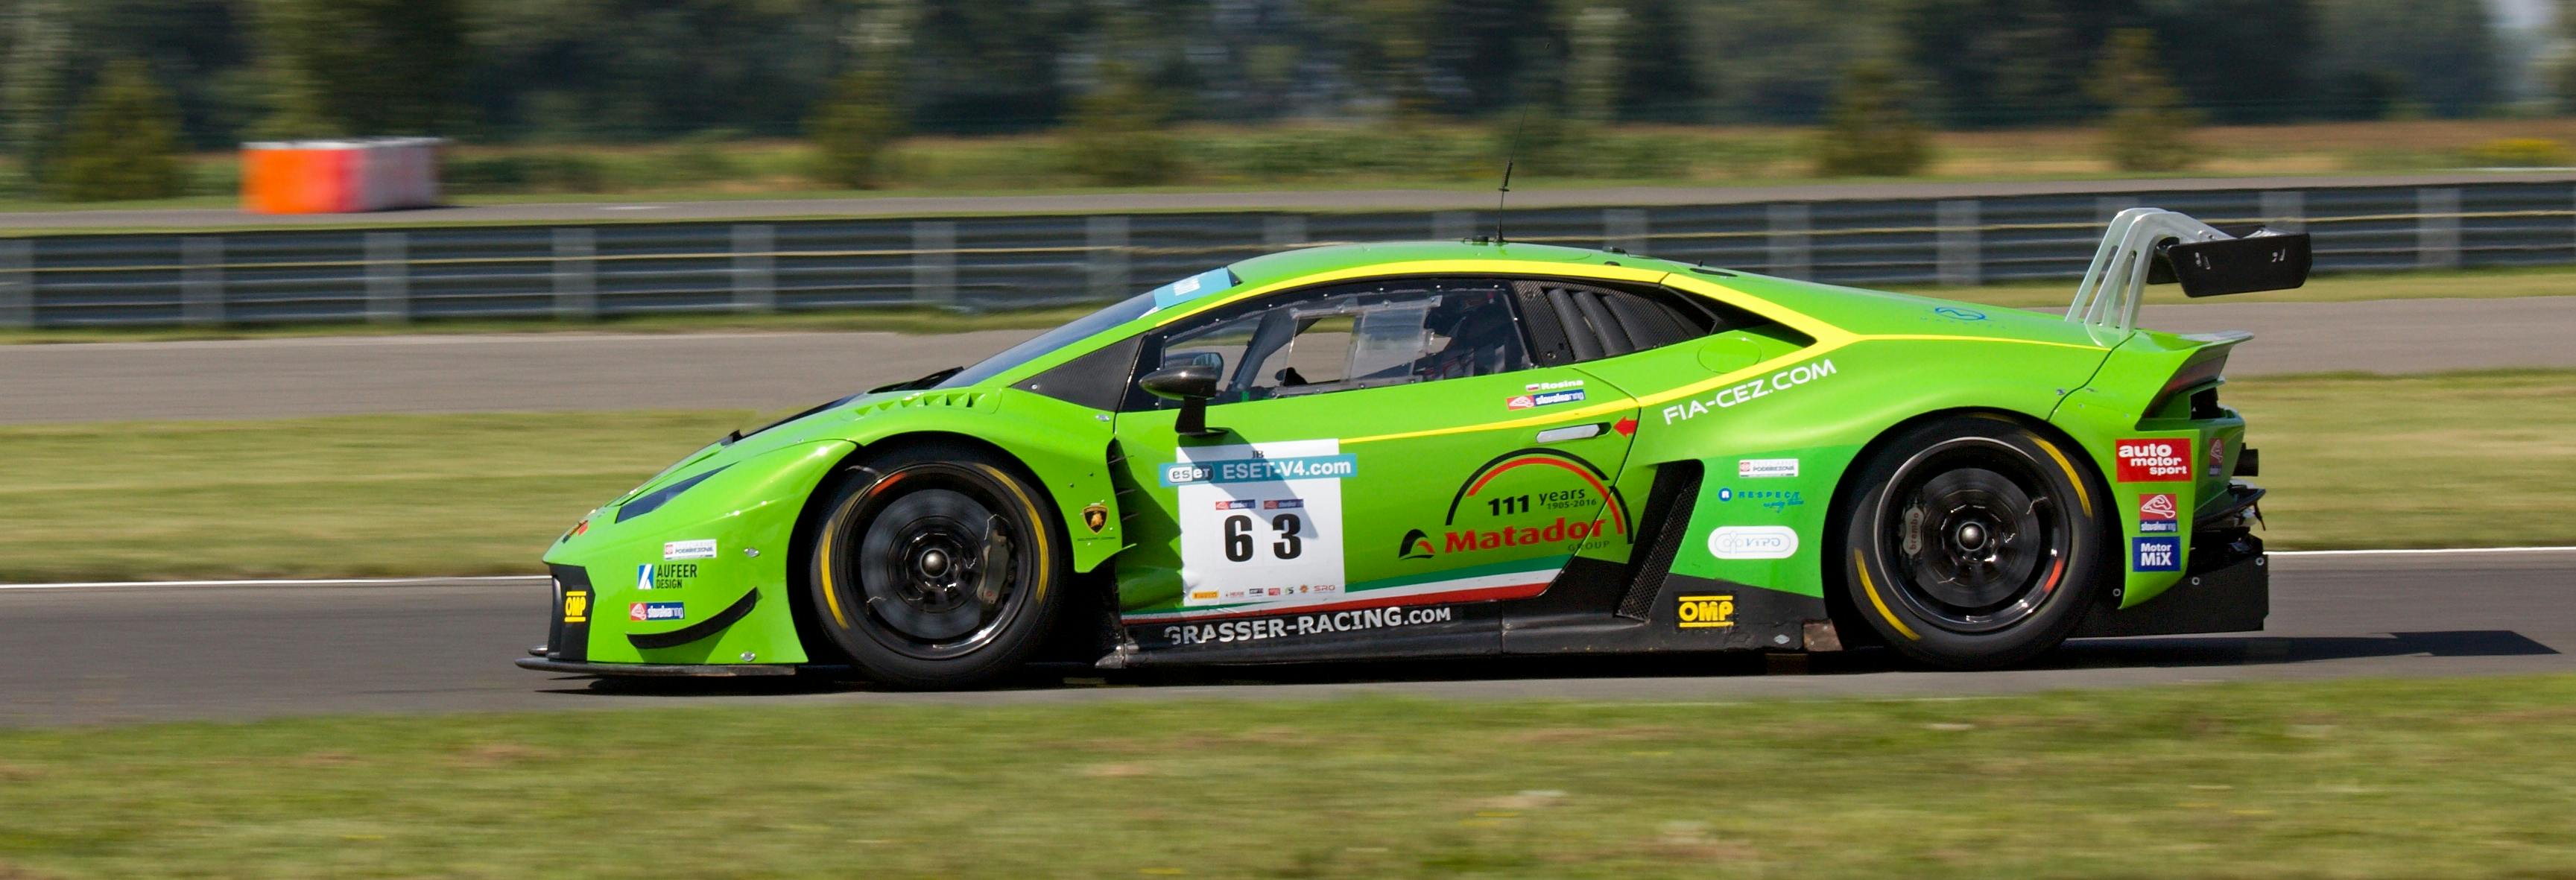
[[1462, 449]]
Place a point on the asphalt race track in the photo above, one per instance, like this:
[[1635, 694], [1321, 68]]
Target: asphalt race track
[[268, 378], [121, 654]]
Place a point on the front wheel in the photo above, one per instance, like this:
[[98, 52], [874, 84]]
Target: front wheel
[[1978, 543], [936, 567]]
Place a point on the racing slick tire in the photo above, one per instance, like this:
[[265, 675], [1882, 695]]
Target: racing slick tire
[[936, 567], [1978, 543]]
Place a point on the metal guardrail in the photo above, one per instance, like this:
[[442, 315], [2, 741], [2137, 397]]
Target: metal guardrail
[[986, 263]]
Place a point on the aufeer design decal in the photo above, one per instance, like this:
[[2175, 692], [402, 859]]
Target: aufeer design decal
[[1261, 522]]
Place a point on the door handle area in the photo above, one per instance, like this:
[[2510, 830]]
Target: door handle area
[[1565, 433]]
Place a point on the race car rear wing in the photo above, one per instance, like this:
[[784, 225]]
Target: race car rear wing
[[2155, 246]]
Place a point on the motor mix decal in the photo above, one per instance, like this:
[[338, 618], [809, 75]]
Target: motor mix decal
[[1260, 522]]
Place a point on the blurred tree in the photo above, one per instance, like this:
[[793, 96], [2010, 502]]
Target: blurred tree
[[2149, 129], [1593, 77], [853, 127], [31, 83], [2440, 53], [983, 67], [2009, 62], [1387, 43], [2252, 69], [1779, 61], [1870, 130], [365, 67], [1117, 136], [639, 69], [1659, 77], [122, 142]]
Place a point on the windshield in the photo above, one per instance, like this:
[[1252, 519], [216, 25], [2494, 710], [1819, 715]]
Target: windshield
[[1117, 313]]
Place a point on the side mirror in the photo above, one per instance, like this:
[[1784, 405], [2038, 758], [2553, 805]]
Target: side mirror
[[1193, 384]]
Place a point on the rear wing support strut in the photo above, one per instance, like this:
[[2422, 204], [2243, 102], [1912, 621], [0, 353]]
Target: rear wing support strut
[[2153, 246]]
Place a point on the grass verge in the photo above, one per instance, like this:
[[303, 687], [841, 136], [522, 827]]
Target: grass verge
[[2451, 778], [2463, 459], [2049, 295]]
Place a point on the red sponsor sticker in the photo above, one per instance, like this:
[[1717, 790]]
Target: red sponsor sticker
[[1520, 401], [2158, 512], [2154, 461]]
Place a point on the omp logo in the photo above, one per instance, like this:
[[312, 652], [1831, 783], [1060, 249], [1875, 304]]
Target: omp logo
[[1416, 545], [1705, 612], [576, 606], [1753, 542]]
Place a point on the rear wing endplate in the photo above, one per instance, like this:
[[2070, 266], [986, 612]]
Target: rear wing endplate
[[2155, 246]]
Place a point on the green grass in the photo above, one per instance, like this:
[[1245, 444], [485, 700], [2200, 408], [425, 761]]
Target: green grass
[[2356, 779], [2353, 461], [2048, 295]]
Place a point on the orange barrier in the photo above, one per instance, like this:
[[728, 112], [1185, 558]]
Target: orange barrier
[[339, 177]]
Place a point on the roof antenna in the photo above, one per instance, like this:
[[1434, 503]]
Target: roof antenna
[[1504, 192]]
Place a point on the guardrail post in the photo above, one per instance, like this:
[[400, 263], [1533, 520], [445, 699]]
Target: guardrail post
[[1446, 225], [2437, 227], [755, 268], [576, 275], [1104, 242], [388, 278], [1624, 228], [2285, 210], [17, 283], [201, 280], [1283, 231], [934, 262], [1788, 251], [1960, 262]]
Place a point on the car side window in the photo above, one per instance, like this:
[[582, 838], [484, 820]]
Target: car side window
[[1571, 323], [1350, 337]]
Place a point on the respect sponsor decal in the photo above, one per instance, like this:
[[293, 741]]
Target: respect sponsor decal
[[1753, 542], [1261, 470], [2158, 512], [2155, 554], [1543, 398], [1774, 500], [2154, 461], [699, 549], [1704, 612], [643, 611], [1759, 468], [1741, 393], [1257, 629]]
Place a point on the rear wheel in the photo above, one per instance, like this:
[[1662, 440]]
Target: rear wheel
[[936, 567], [1978, 544]]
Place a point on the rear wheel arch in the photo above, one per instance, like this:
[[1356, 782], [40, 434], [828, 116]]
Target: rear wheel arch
[[1848, 621]]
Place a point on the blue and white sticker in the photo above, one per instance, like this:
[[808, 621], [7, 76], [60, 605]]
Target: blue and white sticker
[[644, 576], [2156, 554], [703, 548], [1193, 287], [642, 611], [1260, 521]]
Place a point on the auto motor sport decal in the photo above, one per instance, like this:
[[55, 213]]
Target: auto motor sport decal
[[1517, 535], [2154, 460]]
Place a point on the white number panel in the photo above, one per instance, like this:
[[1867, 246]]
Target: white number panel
[[1260, 523]]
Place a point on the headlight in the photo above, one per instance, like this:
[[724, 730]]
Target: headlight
[[661, 496]]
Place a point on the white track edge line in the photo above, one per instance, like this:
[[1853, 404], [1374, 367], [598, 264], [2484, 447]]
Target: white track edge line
[[2426, 551], [532, 578]]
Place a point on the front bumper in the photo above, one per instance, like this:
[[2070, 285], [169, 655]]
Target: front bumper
[[2226, 587], [655, 670]]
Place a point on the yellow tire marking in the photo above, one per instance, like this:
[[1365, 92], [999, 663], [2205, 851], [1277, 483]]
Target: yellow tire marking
[[1862, 566], [832, 592], [2082, 496]]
